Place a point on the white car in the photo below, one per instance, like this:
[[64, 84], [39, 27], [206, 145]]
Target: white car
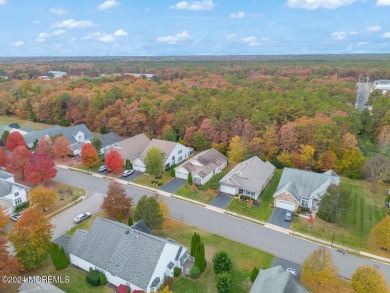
[[81, 217], [103, 168], [127, 173], [291, 271], [15, 216]]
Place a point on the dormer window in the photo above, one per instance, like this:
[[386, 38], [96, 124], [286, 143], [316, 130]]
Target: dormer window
[[16, 193]]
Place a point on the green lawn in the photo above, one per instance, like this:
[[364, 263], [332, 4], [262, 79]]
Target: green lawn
[[206, 192], [146, 180], [364, 211], [92, 169], [260, 213], [22, 123], [244, 259]]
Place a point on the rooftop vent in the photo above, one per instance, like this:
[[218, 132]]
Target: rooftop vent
[[127, 232]]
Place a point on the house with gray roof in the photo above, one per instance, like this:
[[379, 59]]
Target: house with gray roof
[[202, 166], [174, 153], [302, 188], [130, 148], [109, 140], [125, 255], [276, 280], [11, 193], [248, 178]]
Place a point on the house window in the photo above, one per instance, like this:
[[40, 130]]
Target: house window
[[17, 193], [305, 202], [179, 152], [173, 158], [197, 180], [240, 191], [180, 158], [18, 201]]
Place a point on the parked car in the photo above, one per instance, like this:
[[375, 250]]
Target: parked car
[[81, 217], [291, 271], [127, 173], [289, 216], [103, 168], [15, 216]]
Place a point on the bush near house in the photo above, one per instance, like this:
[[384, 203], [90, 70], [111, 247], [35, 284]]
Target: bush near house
[[93, 277], [176, 272], [194, 272]]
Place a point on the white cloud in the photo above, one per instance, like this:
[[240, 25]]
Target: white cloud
[[120, 33], [3, 2], [362, 43], [174, 39], [57, 33], [383, 3], [240, 14], [339, 36], [43, 36], [18, 44], [58, 10], [374, 28], [386, 35], [315, 4], [71, 23], [194, 5], [106, 38], [253, 41], [108, 4], [354, 33], [230, 37]]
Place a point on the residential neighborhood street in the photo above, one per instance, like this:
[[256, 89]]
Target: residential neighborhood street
[[282, 245]]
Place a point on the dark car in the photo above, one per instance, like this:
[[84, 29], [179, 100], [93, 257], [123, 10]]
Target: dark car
[[81, 217], [289, 216]]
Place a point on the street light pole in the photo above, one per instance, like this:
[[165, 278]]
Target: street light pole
[[334, 231]]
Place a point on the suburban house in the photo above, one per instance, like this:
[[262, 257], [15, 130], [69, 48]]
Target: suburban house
[[202, 166], [174, 153], [276, 280], [130, 148], [109, 140], [12, 127], [302, 188], [126, 255], [248, 178], [11, 193], [77, 136]]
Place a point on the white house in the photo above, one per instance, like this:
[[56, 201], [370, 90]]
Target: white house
[[202, 166], [125, 254], [11, 193], [109, 140], [248, 178], [174, 153], [302, 188]]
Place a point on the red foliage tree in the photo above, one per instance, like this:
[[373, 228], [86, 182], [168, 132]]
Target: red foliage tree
[[61, 147], [9, 264], [45, 146], [41, 168], [114, 161], [14, 140], [89, 155], [18, 160], [3, 158]]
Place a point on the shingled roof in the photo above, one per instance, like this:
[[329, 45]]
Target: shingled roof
[[109, 139], [120, 250], [132, 147], [165, 146], [6, 186]]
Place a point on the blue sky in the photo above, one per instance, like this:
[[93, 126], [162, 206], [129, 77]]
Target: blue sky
[[202, 27]]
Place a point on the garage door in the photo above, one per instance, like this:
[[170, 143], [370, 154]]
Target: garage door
[[181, 175], [227, 189], [285, 205]]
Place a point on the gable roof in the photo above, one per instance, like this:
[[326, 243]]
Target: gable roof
[[276, 280], [142, 227], [165, 146], [109, 139], [32, 136], [306, 184], [204, 163], [120, 250], [6, 186], [71, 132], [132, 147], [5, 175], [250, 175]]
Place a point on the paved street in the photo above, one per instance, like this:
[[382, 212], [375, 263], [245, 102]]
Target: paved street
[[362, 96], [282, 245]]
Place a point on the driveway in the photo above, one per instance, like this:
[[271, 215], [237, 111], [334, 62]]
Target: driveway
[[132, 176], [222, 200], [173, 185], [277, 218], [288, 264]]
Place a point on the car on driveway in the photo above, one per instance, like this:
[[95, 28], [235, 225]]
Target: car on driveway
[[291, 271], [15, 216], [81, 217], [103, 168], [288, 217], [127, 173]]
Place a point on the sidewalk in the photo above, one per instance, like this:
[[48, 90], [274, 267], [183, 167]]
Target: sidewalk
[[243, 217]]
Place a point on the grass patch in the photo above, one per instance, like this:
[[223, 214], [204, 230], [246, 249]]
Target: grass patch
[[244, 258], [22, 123], [94, 169], [260, 213], [362, 214], [146, 180]]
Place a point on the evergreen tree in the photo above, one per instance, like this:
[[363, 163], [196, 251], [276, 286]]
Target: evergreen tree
[[58, 256], [189, 179], [130, 221]]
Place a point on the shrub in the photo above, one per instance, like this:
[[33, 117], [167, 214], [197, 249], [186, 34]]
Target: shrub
[[176, 272], [299, 210], [58, 256], [194, 272], [224, 282], [93, 277], [254, 274], [130, 221], [189, 178], [21, 207], [128, 165], [222, 262], [172, 172], [103, 279]]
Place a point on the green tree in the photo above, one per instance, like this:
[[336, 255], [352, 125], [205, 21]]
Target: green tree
[[172, 171], [130, 221], [154, 162], [200, 141], [189, 178], [333, 203], [128, 165], [200, 259], [195, 240], [254, 274], [97, 144], [368, 279], [5, 136], [148, 209], [222, 262], [224, 282], [237, 150], [169, 134], [58, 256]]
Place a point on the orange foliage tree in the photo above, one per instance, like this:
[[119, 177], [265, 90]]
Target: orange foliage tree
[[18, 160], [113, 161], [89, 155], [9, 264], [45, 146], [116, 202], [61, 147]]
